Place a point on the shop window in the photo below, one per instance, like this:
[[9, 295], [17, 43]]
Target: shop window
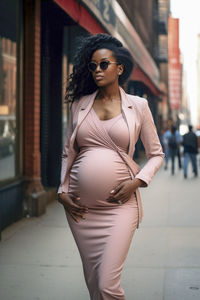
[[71, 36], [8, 78]]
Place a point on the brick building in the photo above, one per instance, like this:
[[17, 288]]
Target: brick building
[[175, 68], [34, 120], [163, 106], [150, 19]]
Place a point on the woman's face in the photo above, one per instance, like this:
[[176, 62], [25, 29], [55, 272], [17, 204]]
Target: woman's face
[[105, 77]]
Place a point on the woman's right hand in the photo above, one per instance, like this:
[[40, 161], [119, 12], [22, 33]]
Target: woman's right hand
[[72, 206]]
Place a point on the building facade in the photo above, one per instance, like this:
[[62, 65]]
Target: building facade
[[37, 43], [164, 107], [150, 19], [11, 113], [184, 117], [198, 81], [175, 68], [143, 15]]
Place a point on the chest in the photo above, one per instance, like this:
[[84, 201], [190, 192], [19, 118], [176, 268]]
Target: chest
[[107, 110]]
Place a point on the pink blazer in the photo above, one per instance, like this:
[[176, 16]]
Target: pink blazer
[[140, 123]]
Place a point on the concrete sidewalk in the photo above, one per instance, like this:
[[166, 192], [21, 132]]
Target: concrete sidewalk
[[39, 259]]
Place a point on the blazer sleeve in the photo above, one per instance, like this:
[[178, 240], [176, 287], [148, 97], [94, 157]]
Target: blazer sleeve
[[65, 151], [153, 148]]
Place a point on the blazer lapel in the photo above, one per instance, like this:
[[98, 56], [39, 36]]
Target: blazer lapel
[[85, 106], [127, 108], [130, 115]]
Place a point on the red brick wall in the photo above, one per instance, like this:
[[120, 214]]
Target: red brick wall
[[174, 64], [32, 91]]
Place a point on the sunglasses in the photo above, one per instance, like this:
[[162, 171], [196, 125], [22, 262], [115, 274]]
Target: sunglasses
[[92, 66]]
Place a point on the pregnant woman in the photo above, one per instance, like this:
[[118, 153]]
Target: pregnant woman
[[99, 179]]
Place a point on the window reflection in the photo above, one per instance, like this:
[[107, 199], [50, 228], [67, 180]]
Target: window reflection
[[8, 67], [65, 73]]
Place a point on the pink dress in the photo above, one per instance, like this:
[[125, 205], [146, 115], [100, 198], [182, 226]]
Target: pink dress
[[104, 237]]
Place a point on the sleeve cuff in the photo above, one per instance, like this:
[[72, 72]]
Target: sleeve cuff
[[144, 180]]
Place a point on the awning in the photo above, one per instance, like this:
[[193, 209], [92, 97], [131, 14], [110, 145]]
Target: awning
[[139, 75], [108, 16], [80, 15]]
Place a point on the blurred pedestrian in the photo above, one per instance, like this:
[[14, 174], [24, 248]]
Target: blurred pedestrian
[[190, 144], [173, 150], [166, 149], [161, 138], [99, 179], [173, 147]]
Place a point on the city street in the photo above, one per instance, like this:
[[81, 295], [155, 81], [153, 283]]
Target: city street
[[39, 259], [80, 80]]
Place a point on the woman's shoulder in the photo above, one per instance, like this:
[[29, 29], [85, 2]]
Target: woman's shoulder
[[76, 104], [138, 102], [82, 102]]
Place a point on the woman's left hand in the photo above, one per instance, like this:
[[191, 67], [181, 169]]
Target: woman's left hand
[[124, 191]]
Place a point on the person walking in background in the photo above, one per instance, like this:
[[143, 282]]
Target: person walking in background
[[161, 138], [173, 147], [172, 150], [99, 179], [166, 148], [190, 144], [179, 142]]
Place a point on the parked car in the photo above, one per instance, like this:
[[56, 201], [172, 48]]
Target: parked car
[[6, 146], [7, 137]]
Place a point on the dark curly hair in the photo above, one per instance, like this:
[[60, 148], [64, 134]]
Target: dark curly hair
[[81, 82]]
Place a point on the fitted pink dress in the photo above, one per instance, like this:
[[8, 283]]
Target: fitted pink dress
[[104, 237]]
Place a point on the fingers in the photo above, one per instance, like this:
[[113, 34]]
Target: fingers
[[77, 207], [117, 195], [73, 216], [122, 192], [76, 204], [72, 201], [76, 216], [74, 208], [120, 196], [119, 199], [116, 189]]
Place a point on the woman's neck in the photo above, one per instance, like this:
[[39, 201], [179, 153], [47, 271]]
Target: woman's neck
[[105, 95], [109, 94]]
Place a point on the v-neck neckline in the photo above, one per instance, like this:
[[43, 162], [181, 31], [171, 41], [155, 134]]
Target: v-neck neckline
[[107, 119]]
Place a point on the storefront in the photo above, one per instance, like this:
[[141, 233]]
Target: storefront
[[57, 48], [62, 22], [33, 112], [107, 16], [11, 183]]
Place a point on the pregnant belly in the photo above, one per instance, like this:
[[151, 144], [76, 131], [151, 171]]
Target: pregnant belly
[[95, 173]]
